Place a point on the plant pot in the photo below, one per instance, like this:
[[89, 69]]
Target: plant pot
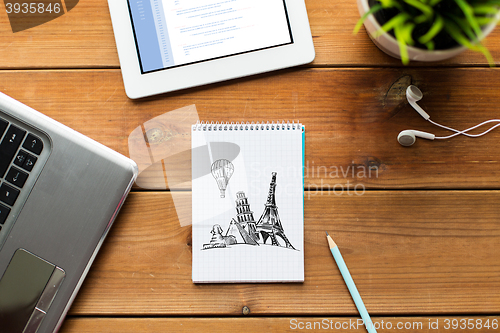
[[388, 44]]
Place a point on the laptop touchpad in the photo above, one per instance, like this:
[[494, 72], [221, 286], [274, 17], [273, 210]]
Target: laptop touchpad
[[26, 291]]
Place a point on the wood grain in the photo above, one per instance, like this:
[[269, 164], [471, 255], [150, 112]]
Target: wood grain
[[409, 252], [419, 233], [252, 325], [352, 118], [83, 38]]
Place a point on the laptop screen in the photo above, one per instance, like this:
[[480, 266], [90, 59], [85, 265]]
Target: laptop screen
[[179, 32]]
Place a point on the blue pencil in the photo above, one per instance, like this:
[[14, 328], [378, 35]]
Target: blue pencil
[[350, 285]]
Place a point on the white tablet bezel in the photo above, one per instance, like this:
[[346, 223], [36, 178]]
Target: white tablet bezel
[[138, 85]]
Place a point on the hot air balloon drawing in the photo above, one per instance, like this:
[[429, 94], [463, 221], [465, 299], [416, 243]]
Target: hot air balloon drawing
[[222, 170]]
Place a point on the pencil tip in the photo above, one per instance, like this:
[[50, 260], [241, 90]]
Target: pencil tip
[[327, 233]]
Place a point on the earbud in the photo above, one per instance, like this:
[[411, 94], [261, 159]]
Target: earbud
[[413, 94], [408, 137]]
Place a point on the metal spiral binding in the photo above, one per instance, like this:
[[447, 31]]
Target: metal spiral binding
[[245, 126]]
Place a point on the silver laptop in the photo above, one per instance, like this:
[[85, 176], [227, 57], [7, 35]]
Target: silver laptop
[[59, 195]]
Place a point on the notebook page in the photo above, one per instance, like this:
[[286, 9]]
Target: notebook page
[[248, 216]]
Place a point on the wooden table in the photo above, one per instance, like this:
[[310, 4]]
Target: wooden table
[[421, 240]]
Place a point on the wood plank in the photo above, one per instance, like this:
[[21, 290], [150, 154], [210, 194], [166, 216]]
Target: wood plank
[[472, 324], [83, 38], [352, 119], [409, 252]]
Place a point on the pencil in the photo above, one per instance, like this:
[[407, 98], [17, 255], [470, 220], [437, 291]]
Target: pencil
[[350, 285]]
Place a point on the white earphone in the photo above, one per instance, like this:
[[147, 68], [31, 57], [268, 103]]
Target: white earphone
[[413, 95], [408, 137]]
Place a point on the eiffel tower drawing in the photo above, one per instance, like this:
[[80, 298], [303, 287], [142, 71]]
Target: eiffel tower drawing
[[269, 224]]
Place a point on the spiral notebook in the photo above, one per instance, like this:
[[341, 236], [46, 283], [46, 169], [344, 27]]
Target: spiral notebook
[[248, 202]]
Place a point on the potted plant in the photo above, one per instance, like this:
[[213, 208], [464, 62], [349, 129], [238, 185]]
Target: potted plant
[[429, 30]]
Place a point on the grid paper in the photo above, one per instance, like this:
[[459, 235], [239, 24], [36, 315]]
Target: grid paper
[[255, 153]]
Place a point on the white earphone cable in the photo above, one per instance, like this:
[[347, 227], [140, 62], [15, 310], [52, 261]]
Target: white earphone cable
[[407, 137], [464, 132]]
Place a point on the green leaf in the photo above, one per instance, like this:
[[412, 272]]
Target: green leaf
[[436, 27], [425, 9], [469, 15], [430, 45], [485, 9], [389, 3], [372, 10], [406, 33], [397, 20], [385, 3], [433, 3], [421, 19], [486, 54], [482, 21], [461, 24], [393, 4], [403, 49], [457, 35]]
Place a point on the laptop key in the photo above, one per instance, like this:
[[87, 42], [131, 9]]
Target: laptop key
[[25, 160], [29, 162], [8, 194], [8, 147], [16, 177], [3, 126], [4, 212], [33, 144], [20, 158]]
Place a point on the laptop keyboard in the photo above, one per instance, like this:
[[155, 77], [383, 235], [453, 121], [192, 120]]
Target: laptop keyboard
[[19, 152]]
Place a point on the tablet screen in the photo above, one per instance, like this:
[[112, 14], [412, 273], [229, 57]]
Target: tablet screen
[[172, 33]]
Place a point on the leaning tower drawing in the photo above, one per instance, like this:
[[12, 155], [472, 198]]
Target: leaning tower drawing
[[269, 224], [245, 222]]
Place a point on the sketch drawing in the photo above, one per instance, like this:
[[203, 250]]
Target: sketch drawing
[[222, 170], [269, 225], [245, 230], [218, 240]]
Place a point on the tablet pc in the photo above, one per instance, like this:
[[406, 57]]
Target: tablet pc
[[168, 45]]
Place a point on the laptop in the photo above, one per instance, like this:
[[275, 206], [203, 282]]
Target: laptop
[[59, 195]]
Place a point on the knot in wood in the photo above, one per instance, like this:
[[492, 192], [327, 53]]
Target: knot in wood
[[155, 135]]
